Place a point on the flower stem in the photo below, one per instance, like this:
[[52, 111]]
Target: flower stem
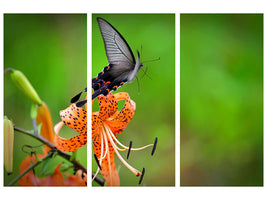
[[59, 152], [29, 169]]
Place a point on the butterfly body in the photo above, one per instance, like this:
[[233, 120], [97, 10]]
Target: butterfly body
[[122, 66]]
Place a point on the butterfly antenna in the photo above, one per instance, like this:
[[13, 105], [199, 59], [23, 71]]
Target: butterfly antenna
[[151, 60], [145, 73]]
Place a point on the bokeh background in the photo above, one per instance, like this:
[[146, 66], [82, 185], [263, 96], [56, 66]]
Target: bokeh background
[[221, 99], [51, 50], [154, 36]]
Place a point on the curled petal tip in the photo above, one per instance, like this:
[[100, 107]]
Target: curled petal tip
[[58, 126]]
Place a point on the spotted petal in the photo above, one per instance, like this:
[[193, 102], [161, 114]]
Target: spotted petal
[[107, 106], [76, 118], [120, 119], [108, 168], [97, 124]]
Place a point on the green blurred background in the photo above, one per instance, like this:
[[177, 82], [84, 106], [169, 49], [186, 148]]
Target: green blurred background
[[154, 36], [51, 50], [221, 115]]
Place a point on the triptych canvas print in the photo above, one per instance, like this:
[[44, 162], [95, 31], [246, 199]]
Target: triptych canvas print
[[153, 106]]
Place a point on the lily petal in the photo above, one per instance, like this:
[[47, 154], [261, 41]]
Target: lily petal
[[120, 119], [76, 118], [76, 180], [106, 124], [57, 179], [108, 168], [96, 125], [107, 106], [30, 179], [44, 118]]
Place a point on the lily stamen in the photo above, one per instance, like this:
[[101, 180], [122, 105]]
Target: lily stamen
[[109, 133], [107, 123], [102, 145], [154, 146], [141, 178], [130, 146], [125, 147], [96, 174], [97, 161]]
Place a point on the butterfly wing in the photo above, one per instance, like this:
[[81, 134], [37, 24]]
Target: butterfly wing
[[103, 83], [119, 53], [122, 66]]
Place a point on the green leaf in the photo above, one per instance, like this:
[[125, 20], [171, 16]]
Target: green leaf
[[45, 164]]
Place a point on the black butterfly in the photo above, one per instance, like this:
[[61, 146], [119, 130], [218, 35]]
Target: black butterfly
[[122, 66]]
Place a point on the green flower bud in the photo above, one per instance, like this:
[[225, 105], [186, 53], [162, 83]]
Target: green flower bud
[[8, 145], [25, 86]]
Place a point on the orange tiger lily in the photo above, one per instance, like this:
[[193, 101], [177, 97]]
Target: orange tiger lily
[[106, 124]]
